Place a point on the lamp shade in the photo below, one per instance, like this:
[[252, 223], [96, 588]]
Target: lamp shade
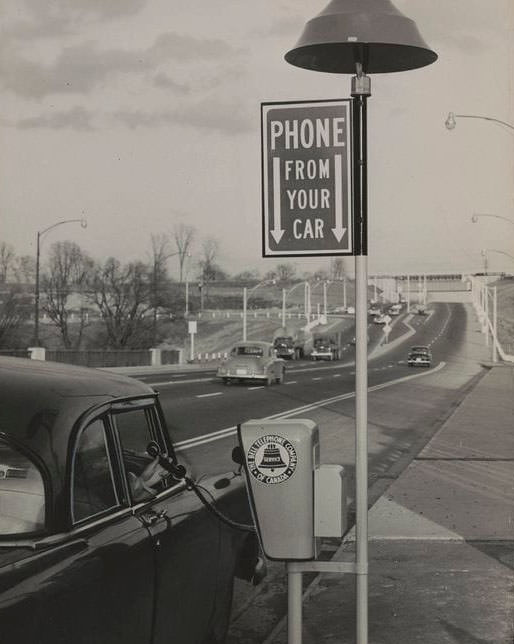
[[371, 32]]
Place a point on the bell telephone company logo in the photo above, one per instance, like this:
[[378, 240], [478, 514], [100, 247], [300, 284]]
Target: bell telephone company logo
[[272, 459]]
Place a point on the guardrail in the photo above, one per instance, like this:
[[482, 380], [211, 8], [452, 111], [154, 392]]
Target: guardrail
[[480, 298]]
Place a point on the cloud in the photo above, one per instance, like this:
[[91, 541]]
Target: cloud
[[166, 82], [209, 114], [179, 47], [76, 118], [81, 68]]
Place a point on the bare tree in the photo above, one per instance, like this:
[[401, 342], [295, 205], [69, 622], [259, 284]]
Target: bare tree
[[66, 276], [123, 297], [25, 269], [285, 272], [15, 306], [336, 269], [159, 276], [7, 258], [184, 236]]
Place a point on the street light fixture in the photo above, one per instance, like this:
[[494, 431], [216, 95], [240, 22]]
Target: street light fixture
[[40, 233], [451, 120], [477, 215], [493, 250]]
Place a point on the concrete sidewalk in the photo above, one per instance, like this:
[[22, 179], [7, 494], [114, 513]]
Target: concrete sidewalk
[[441, 539]]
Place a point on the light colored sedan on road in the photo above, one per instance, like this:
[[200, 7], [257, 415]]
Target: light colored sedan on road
[[252, 361]]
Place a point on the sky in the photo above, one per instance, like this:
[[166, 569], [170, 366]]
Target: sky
[[141, 114]]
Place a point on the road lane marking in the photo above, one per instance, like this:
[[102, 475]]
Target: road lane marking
[[229, 431], [177, 382], [319, 378], [216, 393], [258, 387], [291, 382]]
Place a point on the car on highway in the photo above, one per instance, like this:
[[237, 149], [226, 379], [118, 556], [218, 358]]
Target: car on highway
[[380, 319], [374, 310], [255, 361], [325, 349], [105, 537], [419, 356]]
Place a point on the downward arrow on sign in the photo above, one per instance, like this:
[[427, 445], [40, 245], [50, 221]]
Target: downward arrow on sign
[[277, 230], [338, 230]]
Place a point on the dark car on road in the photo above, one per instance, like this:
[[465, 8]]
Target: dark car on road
[[103, 538], [420, 356]]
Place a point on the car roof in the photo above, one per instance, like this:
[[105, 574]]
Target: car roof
[[41, 401], [420, 348]]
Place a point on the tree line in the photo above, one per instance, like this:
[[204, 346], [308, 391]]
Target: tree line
[[114, 305]]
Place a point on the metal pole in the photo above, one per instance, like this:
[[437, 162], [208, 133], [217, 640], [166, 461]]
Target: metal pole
[[244, 314], [486, 310], [361, 89], [325, 299], [186, 313], [283, 307], [495, 324], [408, 293], [344, 293], [36, 296], [294, 606], [192, 346]]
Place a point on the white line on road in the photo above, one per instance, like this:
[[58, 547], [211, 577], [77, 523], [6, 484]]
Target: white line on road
[[259, 387], [216, 393], [291, 382]]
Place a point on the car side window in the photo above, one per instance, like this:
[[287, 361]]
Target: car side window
[[93, 487], [136, 429], [22, 493]]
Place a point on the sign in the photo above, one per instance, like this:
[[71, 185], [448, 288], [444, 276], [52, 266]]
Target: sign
[[192, 326], [306, 178], [272, 459]]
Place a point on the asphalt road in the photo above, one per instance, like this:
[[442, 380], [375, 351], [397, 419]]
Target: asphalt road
[[201, 412]]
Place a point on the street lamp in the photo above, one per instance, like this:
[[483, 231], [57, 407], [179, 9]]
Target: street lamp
[[40, 233], [493, 250], [357, 38], [246, 296], [477, 215], [451, 121], [285, 294]]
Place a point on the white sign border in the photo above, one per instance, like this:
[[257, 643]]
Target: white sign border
[[266, 250]]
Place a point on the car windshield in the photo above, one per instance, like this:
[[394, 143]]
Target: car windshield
[[249, 350], [419, 349]]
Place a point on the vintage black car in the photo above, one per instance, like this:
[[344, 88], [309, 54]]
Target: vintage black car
[[92, 549]]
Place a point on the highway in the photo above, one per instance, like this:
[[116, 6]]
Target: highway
[[202, 414], [200, 410]]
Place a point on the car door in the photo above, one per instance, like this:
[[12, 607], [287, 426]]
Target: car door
[[186, 537]]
